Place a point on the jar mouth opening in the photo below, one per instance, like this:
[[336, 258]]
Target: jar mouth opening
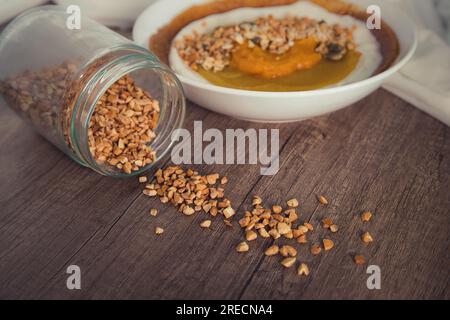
[[171, 100]]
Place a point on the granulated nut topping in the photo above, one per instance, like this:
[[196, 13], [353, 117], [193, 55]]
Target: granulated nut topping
[[122, 126], [213, 51]]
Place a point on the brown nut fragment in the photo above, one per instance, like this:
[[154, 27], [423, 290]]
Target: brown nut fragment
[[303, 270], [212, 178], [205, 224], [366, 216], [293, 203], [224, 180], [272, 251], [323, 200], [154, 212], [315, 249], [360, 260], [242, 247], [143, 179], [327, 223], [288, 262], [334, 228], [283, 228], [188, 211], [274, 234], [366, 238], [256, 201], [277, 209], [302, 239], [288, 251], [228, 212], [328, 244], [251, 235], [263, 233], [309, 226], [159, 231]]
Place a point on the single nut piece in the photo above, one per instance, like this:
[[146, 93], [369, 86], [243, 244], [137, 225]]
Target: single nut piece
[[228, 212], [272, 251], [159, 231], [309, 226], [302, 239], [250, 235], [283, 228], [188, 211], [315, 249], [242, 247], [360, 260], [206, 224], [154, 212], [334, 228], [328, 244], [277, 209], [327, 223], [224, 180], [256, 201], [263, 233], [288, 262], [366, 216], [293, 203], [303, 270], [274, 233], [142, 179], [323, 200], [288, 251], [366, 238]]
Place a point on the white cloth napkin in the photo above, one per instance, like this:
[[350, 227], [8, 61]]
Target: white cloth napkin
[[425, 80]]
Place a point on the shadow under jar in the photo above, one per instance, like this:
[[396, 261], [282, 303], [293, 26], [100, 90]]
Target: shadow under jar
[[57, 79]]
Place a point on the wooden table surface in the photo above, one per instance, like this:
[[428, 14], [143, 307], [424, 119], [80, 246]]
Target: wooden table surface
[[380, 154]]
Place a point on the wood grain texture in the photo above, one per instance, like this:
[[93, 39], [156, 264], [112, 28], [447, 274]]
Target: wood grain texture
[[380, 154]]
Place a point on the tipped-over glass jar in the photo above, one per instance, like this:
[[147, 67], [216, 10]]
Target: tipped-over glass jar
[[107, 103]]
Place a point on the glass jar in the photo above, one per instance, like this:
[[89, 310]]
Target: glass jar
[[54, 76]]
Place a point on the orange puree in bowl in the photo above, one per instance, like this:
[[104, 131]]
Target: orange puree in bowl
[[257, 62], [322, 74]]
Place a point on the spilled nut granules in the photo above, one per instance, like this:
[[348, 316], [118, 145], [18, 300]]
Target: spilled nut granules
[[122, 126], [192, 193]]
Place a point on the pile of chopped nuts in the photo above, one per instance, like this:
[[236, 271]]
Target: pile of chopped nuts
[[213, 51], [122, 126], [276, 223], [191, 193]]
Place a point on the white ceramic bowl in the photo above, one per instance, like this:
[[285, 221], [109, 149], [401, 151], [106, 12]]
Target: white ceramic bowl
[[279, 106]]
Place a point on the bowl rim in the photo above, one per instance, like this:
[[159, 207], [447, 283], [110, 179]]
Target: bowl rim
[[397, 65]]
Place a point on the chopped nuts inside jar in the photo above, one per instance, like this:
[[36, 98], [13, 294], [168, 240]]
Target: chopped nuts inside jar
[[122, 126], [159, 231]]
